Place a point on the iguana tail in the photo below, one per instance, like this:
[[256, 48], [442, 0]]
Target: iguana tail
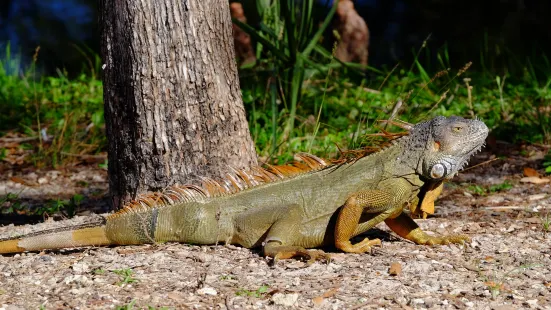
[[56, 239]]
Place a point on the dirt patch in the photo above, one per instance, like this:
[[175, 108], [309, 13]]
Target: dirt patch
[[506, 266]]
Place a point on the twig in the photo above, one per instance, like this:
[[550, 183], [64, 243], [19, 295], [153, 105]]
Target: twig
[[482, 163], [85, 156], [23, 139]]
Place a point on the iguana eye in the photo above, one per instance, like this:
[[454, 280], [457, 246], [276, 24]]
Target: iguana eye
[[457, 128], [437, 171]]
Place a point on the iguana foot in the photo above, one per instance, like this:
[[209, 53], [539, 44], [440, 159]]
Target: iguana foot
[[430, 240], [405, 227], [360, 247], [287, 252]]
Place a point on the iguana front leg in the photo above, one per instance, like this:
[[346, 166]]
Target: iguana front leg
[[406, 228], [347, 226]]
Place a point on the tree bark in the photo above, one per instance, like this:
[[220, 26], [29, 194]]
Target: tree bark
[[173, 107]]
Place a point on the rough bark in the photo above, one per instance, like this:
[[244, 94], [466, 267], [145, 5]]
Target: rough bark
[[173, 106]]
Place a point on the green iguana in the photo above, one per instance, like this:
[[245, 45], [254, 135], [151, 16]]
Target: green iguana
[[287, 209]]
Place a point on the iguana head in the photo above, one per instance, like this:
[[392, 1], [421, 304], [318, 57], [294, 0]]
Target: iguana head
[[439, 148]]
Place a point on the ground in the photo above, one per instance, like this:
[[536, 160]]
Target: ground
[[506, 266]]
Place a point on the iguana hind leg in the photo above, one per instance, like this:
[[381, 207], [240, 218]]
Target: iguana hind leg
[[406, 228], [347, 226], [279, 231], [280, 242]]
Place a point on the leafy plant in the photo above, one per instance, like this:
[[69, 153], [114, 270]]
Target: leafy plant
[[288, 35], [129, 306], [546, 222], [547, 162], [500, 187], [261, 291], [126, 276], [10, 204], [496, 283]]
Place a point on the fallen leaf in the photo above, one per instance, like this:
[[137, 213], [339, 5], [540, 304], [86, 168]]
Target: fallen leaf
[[530, 172], [395, 269], [317, 300], [331, 292], [534, 180], [22, 181]]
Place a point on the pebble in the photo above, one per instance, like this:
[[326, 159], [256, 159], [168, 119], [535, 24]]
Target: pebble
[[287, 300], [207, 291]]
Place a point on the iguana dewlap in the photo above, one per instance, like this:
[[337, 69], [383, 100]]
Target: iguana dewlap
[[286, 209]]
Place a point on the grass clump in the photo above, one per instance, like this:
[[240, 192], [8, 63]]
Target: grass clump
[[63, 115]]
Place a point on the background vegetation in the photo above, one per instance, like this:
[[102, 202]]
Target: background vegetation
[[298, 97]]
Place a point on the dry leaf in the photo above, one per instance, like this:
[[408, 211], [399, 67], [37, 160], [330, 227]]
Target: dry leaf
[[19, 180], [331, 292], [530, 172], [317, 300], [395, 269], [534, 180]]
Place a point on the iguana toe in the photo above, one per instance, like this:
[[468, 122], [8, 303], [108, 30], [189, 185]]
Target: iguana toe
[[459, 239], [360, 247], [288, 252]]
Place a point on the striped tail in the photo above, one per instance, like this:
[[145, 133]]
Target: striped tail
[[56, 239]]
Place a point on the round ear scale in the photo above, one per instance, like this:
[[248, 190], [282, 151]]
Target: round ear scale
[[436, 145], [437, 171]]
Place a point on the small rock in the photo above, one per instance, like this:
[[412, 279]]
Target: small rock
[[495, 199], [417, 301], [80, 268], [531, 197], [42, 180], [469, 304], [532, 302], [175, 296], [77, 279], [207, 291], [457, 292], [98, 178], [287, 300]]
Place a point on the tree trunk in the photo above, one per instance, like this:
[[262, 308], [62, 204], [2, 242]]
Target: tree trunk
[[173, 107]]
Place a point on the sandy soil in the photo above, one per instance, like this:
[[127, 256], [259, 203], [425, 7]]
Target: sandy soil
[[506, 266]]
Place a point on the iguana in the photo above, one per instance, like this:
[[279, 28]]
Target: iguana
[[288, 209]]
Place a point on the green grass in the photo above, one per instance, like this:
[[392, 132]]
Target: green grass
[[126, 276], [65, 116], [336, 107], [261, 291]]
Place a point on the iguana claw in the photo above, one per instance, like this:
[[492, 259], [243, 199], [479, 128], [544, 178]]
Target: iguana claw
[[460, 239], [287, 252], [360, 247]]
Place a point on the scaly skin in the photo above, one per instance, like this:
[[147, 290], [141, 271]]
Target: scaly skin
[[312, 209]]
